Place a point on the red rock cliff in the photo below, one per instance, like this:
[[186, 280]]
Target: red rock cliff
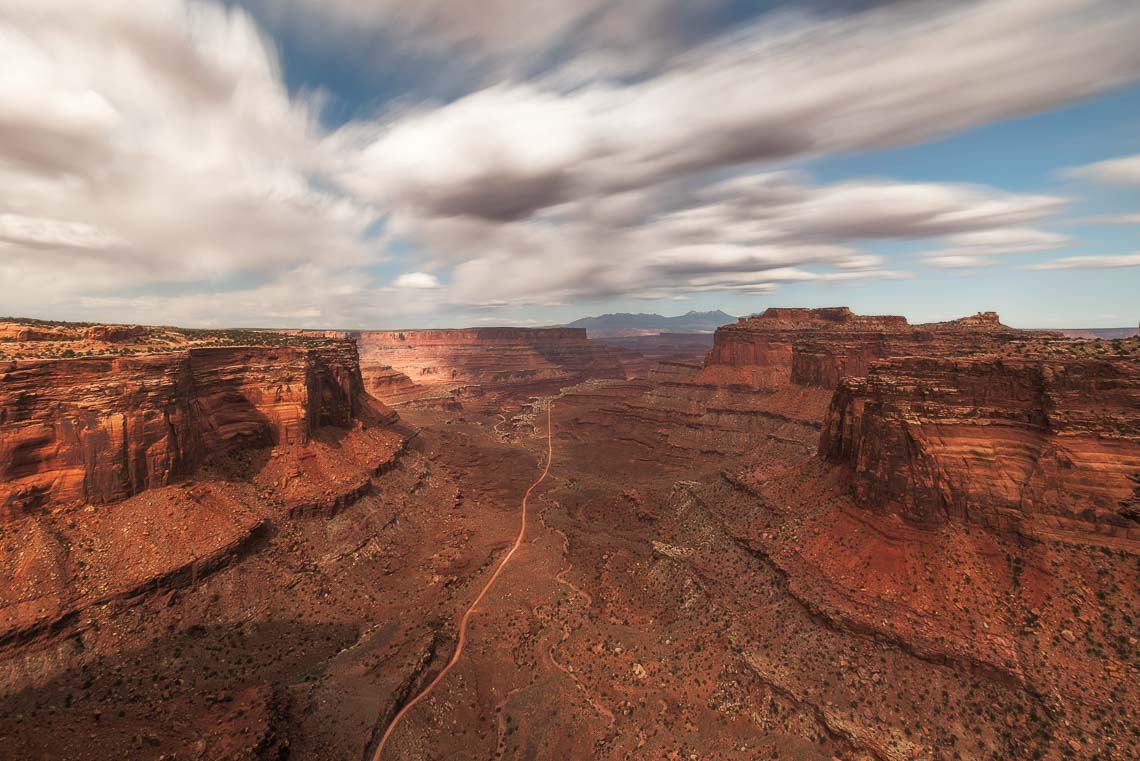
[[1040, 445], [818, 347], [490, 358], [98, 430]]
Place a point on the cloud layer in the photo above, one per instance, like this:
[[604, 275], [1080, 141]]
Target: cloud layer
[[877, 79], [155, 143], [154, 166], [1119, 171], [1112, 261], [569, 41]]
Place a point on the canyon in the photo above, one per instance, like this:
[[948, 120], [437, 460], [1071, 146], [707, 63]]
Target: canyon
[[814, 534], [436, 366]]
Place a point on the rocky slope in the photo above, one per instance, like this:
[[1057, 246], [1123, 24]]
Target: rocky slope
[[1105, 334], [780, 366], [391, 385], [640, 355], [955, 576], [441, 366], [122, 474]]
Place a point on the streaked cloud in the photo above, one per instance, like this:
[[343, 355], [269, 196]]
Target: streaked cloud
[[747, 234], [155, 143], [571, 41], [1110, 219], [779, 91], [1110, 261], [155, 167], [950, 260], [1119, 171], [972, 250]]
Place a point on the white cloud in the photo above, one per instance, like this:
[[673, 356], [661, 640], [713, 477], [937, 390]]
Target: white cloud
[[959, 261], [1120, 171], [153, 166], [155, 142], [1110, 219], [416, 280], [787, 207], [583, 39], [981, 248], [1110, 261], [36, 232], [749, 234], [781, 90], [1008, 240]]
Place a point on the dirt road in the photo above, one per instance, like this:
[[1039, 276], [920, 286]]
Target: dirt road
[[478, 599]]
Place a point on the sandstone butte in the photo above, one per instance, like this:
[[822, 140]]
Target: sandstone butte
[[943, 518], [967, 419], [818, 347]]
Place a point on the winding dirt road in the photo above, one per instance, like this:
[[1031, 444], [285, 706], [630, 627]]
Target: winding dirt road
[[471, 609]]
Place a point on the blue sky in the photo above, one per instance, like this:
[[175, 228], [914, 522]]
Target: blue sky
[[304, 163]]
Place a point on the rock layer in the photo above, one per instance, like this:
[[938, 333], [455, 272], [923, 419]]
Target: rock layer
[[97, 430], [496, 359], [818, 347], [1038, 445]]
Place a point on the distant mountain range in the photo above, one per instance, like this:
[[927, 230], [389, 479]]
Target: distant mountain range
[[626, 324]]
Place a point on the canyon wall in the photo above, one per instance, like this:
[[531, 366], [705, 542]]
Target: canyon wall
[[1037, 444], [100, 429], [399, 366], [807, 347]]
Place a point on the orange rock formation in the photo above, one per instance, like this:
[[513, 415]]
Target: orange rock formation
[[818, 347], [100, 429], [441, 362], [1038, 444]]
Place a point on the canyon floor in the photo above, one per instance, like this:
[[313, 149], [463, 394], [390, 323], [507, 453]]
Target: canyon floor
[[644, 615]]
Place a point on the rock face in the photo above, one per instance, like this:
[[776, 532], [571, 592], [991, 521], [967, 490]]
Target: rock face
[[818, 347], [1034, 444], [9, 332], [391, 385], [517, 359], [124, 475], [97, 430], [115, 333]]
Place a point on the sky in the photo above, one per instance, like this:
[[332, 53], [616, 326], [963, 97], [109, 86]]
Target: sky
[[388, 164]]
